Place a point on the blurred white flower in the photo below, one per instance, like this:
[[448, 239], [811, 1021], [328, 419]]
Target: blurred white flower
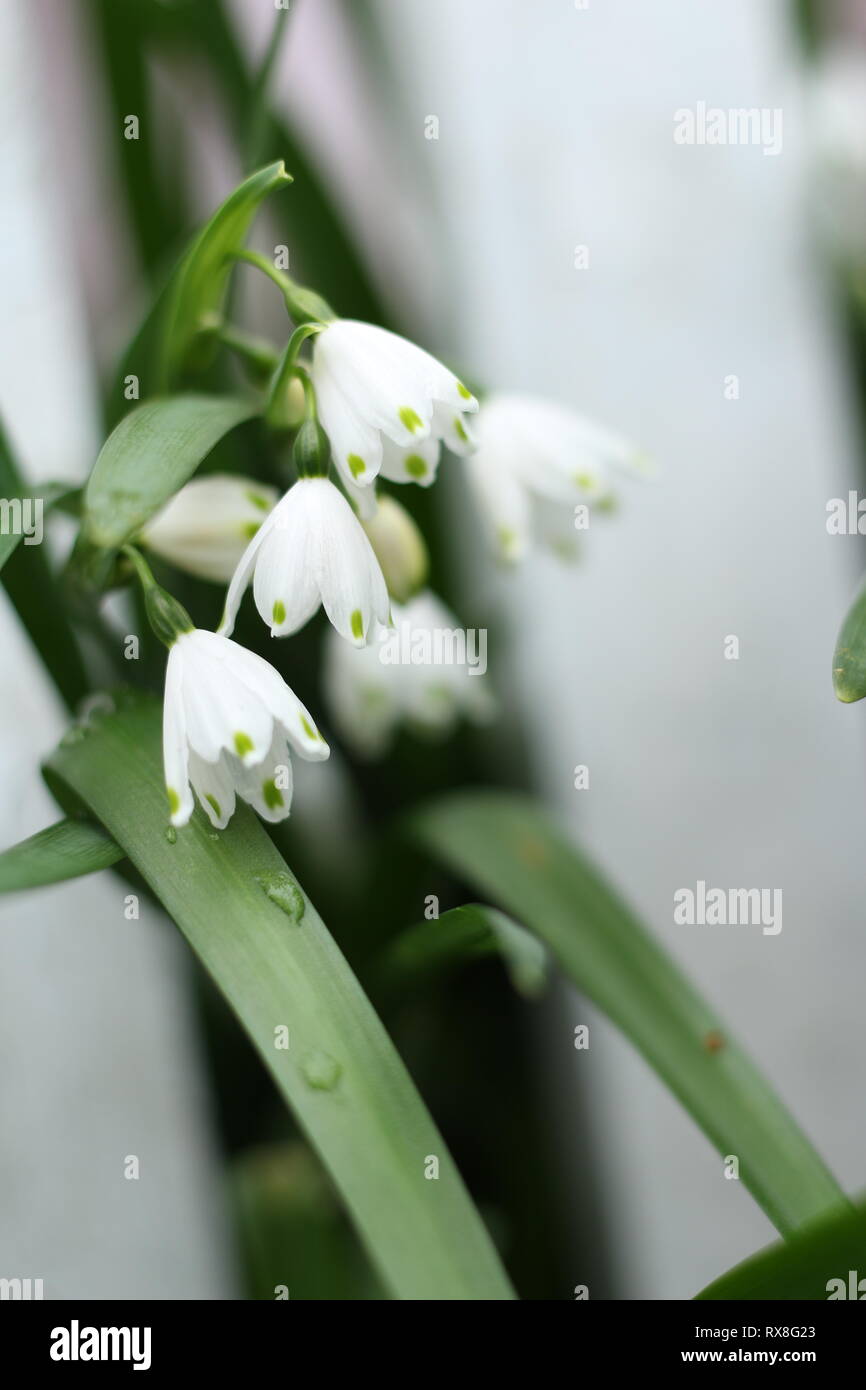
[[311, 550], [426, 672], [399, 547], [206, 527], [532, 453], [385, 404], [838, 125], [228, 718]]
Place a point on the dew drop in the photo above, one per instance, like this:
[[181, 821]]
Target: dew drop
[[320, 1070], [171, 834], [284, 893]]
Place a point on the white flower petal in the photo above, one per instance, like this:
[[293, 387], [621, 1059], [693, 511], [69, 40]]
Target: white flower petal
[[174, 744], [353, 590], [268, 787], [415, 464], [356, 444], [207, 525], [221, 712], [268, 686], [214, 788], [362, 695], [285, 586], [504, 504], [244, 573]]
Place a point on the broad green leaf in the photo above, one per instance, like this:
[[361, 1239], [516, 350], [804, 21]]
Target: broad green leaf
[[65, 850], [32, 588], [154, 450], [463, 934], [266, 948], [505, 846], [803, 1266], [199, 284], [849, 658]]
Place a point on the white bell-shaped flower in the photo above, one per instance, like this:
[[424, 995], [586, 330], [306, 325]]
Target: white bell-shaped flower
[[533, 451], [208, 524], [426, 672], [228, 719], [312, 550], [385, 404]]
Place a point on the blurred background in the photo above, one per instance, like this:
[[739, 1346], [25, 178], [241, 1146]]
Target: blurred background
[[705, 301]]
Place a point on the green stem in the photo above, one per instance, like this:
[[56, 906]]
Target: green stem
[[166, 616], [303, 305], [274, 409]]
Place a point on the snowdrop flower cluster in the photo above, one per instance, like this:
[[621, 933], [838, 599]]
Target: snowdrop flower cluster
[[376, 406]]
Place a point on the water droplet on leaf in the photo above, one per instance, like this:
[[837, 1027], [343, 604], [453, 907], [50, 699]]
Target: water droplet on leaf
[[284, 893], [321, 1070]]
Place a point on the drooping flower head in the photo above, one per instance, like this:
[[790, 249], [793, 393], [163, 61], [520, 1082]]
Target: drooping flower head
[[311, 550], [532, 453], [424, 673], [385, 404], [228, 720]]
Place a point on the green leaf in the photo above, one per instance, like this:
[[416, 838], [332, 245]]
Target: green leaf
[[849, 658], [195, 302], [65, 850], [802, 1266], [34, 591], [465, 933], [154, 450], [506, 847], [266, 948]]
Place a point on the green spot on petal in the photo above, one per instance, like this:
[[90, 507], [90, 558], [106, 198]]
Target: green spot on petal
[[272, 794], [585, 481], [416, 467], [279, 612], [462, 391], [213, 804], [249, 529], [357, 466], [243, 744], [173, 800], [459, 430], [258, 501], [410, 418], [357, 623], [309, 730]]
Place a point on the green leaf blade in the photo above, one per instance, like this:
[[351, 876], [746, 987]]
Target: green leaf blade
[[507, 848], [434, 948], [151, 453], [63, 851], [195, 301], [802, 1266], [340, 1074]]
